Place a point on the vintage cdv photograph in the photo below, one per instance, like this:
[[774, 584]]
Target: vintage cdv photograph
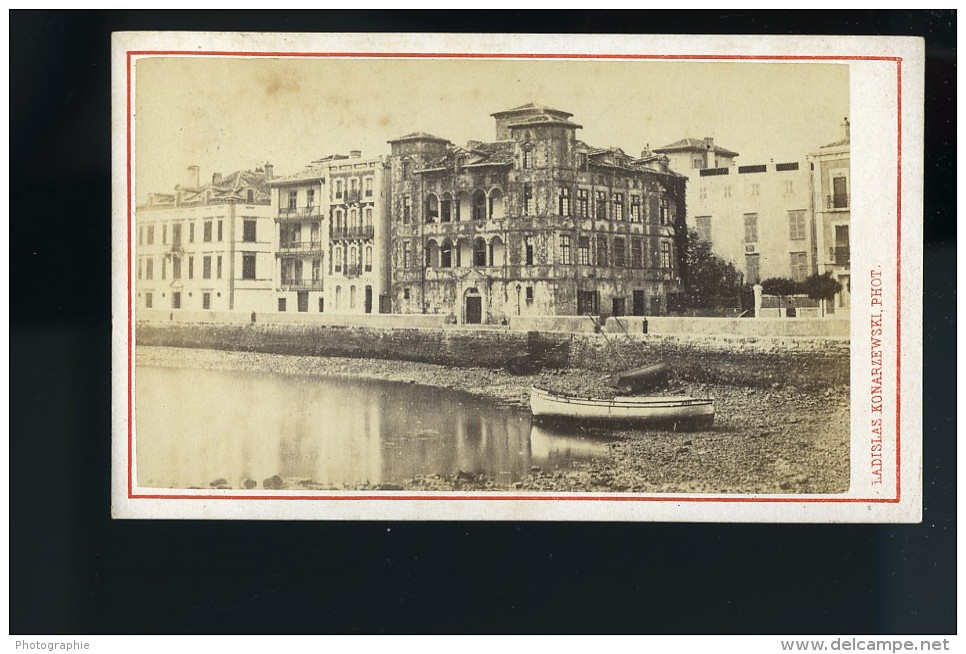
[[406, 276]]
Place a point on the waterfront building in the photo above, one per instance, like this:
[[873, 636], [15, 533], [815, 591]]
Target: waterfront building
[[207, 246], [535, 222], [331, 236], [831, 183], [759, 217]]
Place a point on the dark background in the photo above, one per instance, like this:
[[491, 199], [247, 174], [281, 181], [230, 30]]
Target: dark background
[[74, 570]]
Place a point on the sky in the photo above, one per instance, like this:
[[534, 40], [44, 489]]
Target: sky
[[232, 113]]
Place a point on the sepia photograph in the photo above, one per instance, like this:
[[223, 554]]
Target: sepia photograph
[[418, 281]]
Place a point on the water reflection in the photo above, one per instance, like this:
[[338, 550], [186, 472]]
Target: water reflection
[[196, 426]]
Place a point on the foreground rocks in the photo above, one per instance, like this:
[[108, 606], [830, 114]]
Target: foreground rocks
[[770, 437]]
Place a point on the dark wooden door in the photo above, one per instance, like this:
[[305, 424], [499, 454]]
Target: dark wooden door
[[474, 310]]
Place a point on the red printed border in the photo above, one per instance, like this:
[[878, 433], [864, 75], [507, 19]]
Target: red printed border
[[499, 497]]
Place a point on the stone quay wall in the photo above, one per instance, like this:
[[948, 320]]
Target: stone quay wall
[[802, 362]]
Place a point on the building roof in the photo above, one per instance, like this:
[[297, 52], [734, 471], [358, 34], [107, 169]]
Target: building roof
[[418, 136], [531, 107], [545, 119], [687, 144], [475, 153], [836, 144], [232, 188]]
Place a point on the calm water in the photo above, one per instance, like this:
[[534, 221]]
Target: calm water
[[196, 426]]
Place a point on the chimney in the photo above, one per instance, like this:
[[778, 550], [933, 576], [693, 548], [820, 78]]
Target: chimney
[[355, 154], [193, 180], [269, 171], [215, 179], [709, 142]]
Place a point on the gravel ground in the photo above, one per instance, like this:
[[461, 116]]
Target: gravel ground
[[773, 439]]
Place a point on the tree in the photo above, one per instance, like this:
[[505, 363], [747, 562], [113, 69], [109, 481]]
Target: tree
[[709, 278], [782, 287], [822, 287]]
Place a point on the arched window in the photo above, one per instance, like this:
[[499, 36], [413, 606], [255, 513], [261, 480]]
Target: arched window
[[446, 255], [368, 258], [368, 218], [353, 262], [527, 157], [479, 252], [497, 210], [432, 208], [447, 208], [353, 219], [479, 205], [337, 263], [338, 297], [338, 222]]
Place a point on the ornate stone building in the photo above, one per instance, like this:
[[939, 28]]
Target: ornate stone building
[[535, 223]]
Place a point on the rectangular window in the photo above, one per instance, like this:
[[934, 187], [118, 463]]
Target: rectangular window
[[206, 267], [149, 268], [176, 300], [665, 210], [293, 200], [176, 234], [618, 206], [744, 170], [148, 300], [703, 224], [310, 197], [368, 183], [786, 166], [601, 206], [528, 200], [406, 293], [191, 267], [619, 253], [140, 268], [176, 268], [206, 300], [281, 305], [565, 201], [754, 190], [164, 268], [583, 209], [150, 234], [141, 235], [635, 208], [727, 191], [407, 210], [406, 256], [339, 185], [665, 255], [316, 270], [529, 295], [207, 233], [218, 266], [191, 232], [799, 266], [583, 250], [248, 265], [220, 231], [840, 193], [789, 187], [565, 249], [751, 228], [601, 250], [164, 234], [248, 231], [698, 163], [796, 225], [528, 158], [637, 253], [529, 251]]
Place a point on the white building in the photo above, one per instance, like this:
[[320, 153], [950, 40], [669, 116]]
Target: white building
[[831, 183], [207, 246]]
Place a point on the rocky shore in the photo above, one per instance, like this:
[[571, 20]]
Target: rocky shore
[[771, 438]]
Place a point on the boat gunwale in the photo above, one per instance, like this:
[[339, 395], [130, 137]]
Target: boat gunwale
[[628, 402]]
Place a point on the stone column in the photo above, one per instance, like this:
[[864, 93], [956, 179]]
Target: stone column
[[758, 290]]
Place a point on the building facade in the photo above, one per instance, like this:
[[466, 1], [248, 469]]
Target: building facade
[[832, 187], [207, 246], [759, 217], [533, 223]]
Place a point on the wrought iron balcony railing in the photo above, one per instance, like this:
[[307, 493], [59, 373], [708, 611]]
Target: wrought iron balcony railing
[[837, 201], [299, 213], [359, 231]]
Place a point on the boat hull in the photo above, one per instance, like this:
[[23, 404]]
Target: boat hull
[[676, 412]]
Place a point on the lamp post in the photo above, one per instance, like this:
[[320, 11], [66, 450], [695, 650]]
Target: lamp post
[[518, 299]]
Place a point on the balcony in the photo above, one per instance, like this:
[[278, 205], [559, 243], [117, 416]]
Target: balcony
[[352, 270], [300, 247], [359, 231], [299, 213], [837, 201], [840, 256], [301, 284]]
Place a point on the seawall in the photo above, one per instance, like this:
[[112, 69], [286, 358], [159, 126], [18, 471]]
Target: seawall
[[752, 361]]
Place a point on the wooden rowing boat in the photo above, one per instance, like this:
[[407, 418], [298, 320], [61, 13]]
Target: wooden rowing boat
[[677, 412]]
